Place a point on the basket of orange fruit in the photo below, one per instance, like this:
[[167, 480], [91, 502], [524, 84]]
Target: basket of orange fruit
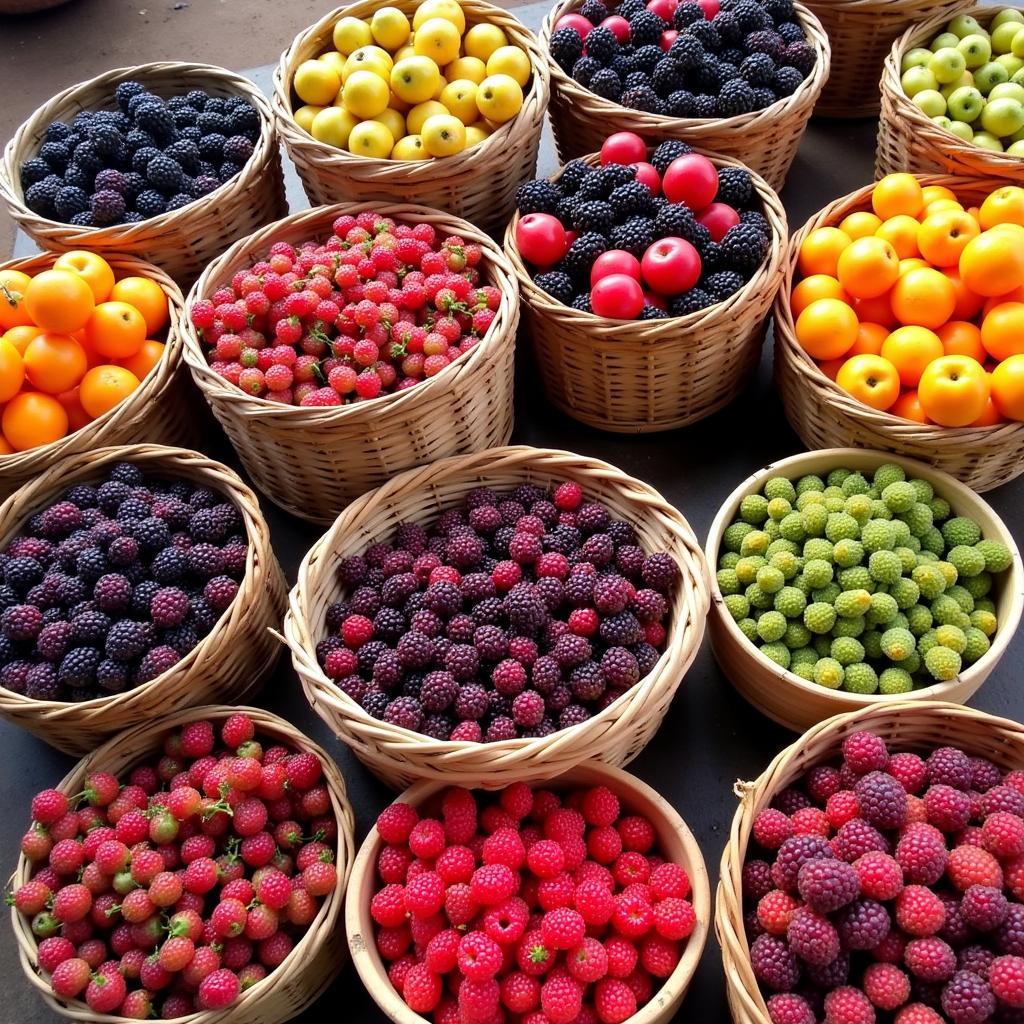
[[900, 326], [89, 356]]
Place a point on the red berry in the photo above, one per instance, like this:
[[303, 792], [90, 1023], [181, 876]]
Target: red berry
[[218, 990]]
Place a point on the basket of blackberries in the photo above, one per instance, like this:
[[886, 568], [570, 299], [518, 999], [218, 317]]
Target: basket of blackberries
[[735, 77], [646, 276], [169, 162]]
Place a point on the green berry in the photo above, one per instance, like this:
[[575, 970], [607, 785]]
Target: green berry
[[847, 650], [737, 606], [924, 490], [755, 543], [786, 563], [754, 509], [852, 626], [932, 540], [926, 641], [978, 586], [859, 506], [818, 573], [908, 560], [872, 641], [962, 596], [770, 579], [778, 509], [815, 520], [728, 581], [885, 566], [837, 476], [985, 621], [802, 585], [804, 656], [861, 678], [898, 644], [732, 539], [781, 546], [728, 560], [895, 680], [748, 627], [945, 610], [772, 530], [940, 509], [883, 609], [889, 473], [905, 592], [900, 532], [917, 519], [878, 535], [804, 670], [899, 497], [912, 665], [779, 653], [985, 605], [919, 619], [826, 594], [819, 617], [771, 626], [977, 645], [855, 483], [747, 569], [792, 527], [856, 578], [797, 635], [805, 499], [961, 531], [996, 554], [823, 645], [819, 547], [829, 673], [809, 483], [914, 544], [758, 598], [952, 637], [779, 487], [880, 511], [929, 580], [853, 603], [848, 553], [942, 663], [841, 525], [791, 602], [967, 561]]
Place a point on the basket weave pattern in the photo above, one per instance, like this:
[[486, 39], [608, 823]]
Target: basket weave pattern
[[231, 662], [183, 241]]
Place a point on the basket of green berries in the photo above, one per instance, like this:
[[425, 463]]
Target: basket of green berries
[[849, 577]]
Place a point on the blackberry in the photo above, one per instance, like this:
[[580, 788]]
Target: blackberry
[[150, 203], [676, 221], [154, 117], [594, 11], [680, 104], [204, 185], [22, 572], [238, 149], [619, 667], [667, 78], [582, 302], [647, 58], [582, 254], [243, 119], [155, 663], [537, 197], [164, 174], [127, 640], [728, 28], [629, 200], [108, 207], [113, 676], [56, 156], [205, 561], [635, 236], [646, 657], [704, 106], [705, 34], [779, 10], [182, 638], [606, 84], [151, 533], [405, 712], [211, 146], [687, 14], [142, 597], [41, 197], [203, 617], [42, 683], [179, 200], [58, 131], [557, 284], [645, 99], [78, 668], [723, 284], [645, 29], [112, 593], [566, 47], [584, 70], [630, 7], [791, 32], [126, 91], [687, 52], [787, 81], [34, 171], [592, 216], [573, 175], [800, 56], [635, 79], [758, 69], [766, 42], [185, 153], [751, 16], [735, 98], [745, 248], [735, 186], [184, 117]]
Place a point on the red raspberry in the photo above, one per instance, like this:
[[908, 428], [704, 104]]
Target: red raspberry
[[568, 495], [105, 992], [637, 833], [633, 916], [930, 959], [442, 952], [228, 918], [176, 953], [775, 909], [1002, 834], [587, 962], [921, 853], [622, 956], [261, 922], [218, 990], [520, 993], [669, 880], [971, 865], [674, 918], [948, 809], [394, 943], [919, 911], [427, 839], [424, 894], [53, 951], [506, 923], [594, 901], [517, 800], [659, 956], [600, 806], [478, 1000], [561, 997], [456, 864], [459, 904], [67, 857], [479, 956], [555, 892], [841, 808], [788, 1008], [614, 1001], [421, 989], [545, 858], [70, 977], [810, 821], [891, 948], [1006, 978], [886, 986], [909, 770], [32, 897], [72, 903], [504, 846], [493, 883], [395, 823], [533, 954], [881, 877], [563, 928], [848, 1005], [604, 844], [865, 752], [772, 828], [460, 816]]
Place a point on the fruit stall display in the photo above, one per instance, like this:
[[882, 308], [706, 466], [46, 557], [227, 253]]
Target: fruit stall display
[[593, 898], [451, 120], [740, 84], [847, 578], [168, 162], [654, 316]]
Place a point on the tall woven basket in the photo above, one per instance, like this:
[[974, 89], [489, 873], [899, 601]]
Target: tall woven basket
[[314, 461], [766, 140], [825, 416], [646, 376], [317, 957], [904, 726], [157, 411], [229, 664], [615, 735], [183, 241], [908, 140], [478, 184]]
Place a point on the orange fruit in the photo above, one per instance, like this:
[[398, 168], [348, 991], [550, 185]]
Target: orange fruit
[[967, 303], [5, 448], [1008, 387], [19, 337], [960, 338], [932, 193], [942, 206], [954, 390], [901, 233], [77, 416], [860, 224], [94, 268], [115, 330], [1003, 206], [827, 329], [54, 362], [1002, 331], [147, 297], [896, 195], [12, 371], [831, 367], [1017, 295], [990, 417], [875, 311], [819, 253], [923, 297], [145, 359], [103, 387], [13, 311], [31, 419], [911, 263], [993, 263], [870, 338], [810, 289], [908, 407], [944, 236], [59, 300], [868, 268], [910, 350], [871, 380]]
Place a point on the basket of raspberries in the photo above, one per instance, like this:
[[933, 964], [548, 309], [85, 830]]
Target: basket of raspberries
[[168, 162], [736, 77], [136, 581], [646, 277], [873, 874], [585, 900], [359, 339], [453, 623], [194, 866]]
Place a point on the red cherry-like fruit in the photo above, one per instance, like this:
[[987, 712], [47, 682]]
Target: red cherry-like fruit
[[671, 266], [655, 300], [615, 261], [668, 37], [541, 239], [618, 26], [617, 297], [691, 179], [576, 21], [709, 7], [623, 148], [647, 174], [718, 218], [664, 9]]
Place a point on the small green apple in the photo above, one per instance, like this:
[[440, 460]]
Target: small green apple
[[1001, 117], [977, 50], [931, 102], [1011, 63], [1002, 36], [1004, 89], [1017, 44], [966, 104], [964, 81], [964, 25], [945, 39], [942, 121], [987, 141], [916, 58], [962, 130], [1017, 136], [917, 80], [1005, 16], [989, 76], [947, 65], [1018, 77], [1017, 149]]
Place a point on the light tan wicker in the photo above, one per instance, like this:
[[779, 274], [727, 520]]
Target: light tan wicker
[[230, 663], [675, 842], [615, 735], [799, 704], [908, 140], [766, 140], [825, 416], [181, 242], [478, 184], [317, 956], [904, 726], [644, 376], [313, 462]]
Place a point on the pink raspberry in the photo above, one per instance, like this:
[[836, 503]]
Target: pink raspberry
[[1002, 834], [659, 956], [772, 828], [930, 959], [1006, 977], [842, 807], [886, 986], [774, 911], [971, 865], [479, 1000], [595, 902], [909, 770], [948, 809], [880, 876], [789, 1008], [493, 883], [848, 1005], [587, 962], [561, 997], [918, 1013], [921, 853], [865, 752], [919, 911], [507, 922], [810, 821], [395, 823]]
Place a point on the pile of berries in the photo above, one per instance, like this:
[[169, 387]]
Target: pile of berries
[[552, 909], [870, 585], [114, 583], [688, 60], [376, 308], [513, 615], [890, 888], [148, 157], [173, 892]]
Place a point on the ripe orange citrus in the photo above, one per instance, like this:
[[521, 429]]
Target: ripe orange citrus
[[12, 371], [77, 416], [13, 311], [810, 289], [870, 339], [901, 233], [827, 329], [94, 268], [871, 380], [819, 253], [875, 311], [145, 359], [1002, 331], [59, 300], [103, 387], [991, 416], [1003, 206], [923, 297], [910, 350], [115, 330], [944, 236], [954, 390], [967, 303], [861, 224], [868, 268], [19, 337], [54, 362], [931, 193], [31, 419], [831, 367], [960, 338], [897, 194], [147, 297], [1008, 387], [993, 263], [908, 407]]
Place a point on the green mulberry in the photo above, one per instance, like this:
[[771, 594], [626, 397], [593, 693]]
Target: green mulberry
[[778, 509], [791, 602], [985, 621], [806, 499], [911, 664], [737, 606], [899, 497], [758, 598], [900, 532], [967, 561], [919, 619], [926, 641], [930, 581], [855, 483], [755, 543], [809, 482], [747, 569], [924, 490], [961, 532], [771, 528], [815, 520], [754, 509], [878, 535], [905, 592], [848, 553], [733, 537], [771, 626], [872, 641], [837, 476], [818, 573], [841, 525], [859, 506], [781, 546], [962, 596], [728, 581], [932, 541], [977, 645], [779, 487], [942, 663], [852, 603], [883, 609], [728, 560], [804, 656], [952, 637], [894, 681], [823, 645], [898, 644], [979, 586], [917, 519], [797, 635], [770, 579], [819, 617], [908, 559], [779, 653], [885, 566], [914, 544], [792, 527], [857, 577], [847, 650], [854, 626], [861, 678], [803, 670], [986, 604], [785, 562], [888, 473], [826, 594], [940, 509], [996, 554], [829, 673], [748, 627], [945, 610], [819, 547], [880, 512], [802, 585]]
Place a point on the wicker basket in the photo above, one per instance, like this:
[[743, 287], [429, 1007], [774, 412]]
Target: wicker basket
[[181, 242], [313, 462], [904, 726], [614, 736], [674, 840], [317, 957], [908, 140], [230, 663], [799, 704], [478, 184], [766, 140], [825, 416], [645, 376]]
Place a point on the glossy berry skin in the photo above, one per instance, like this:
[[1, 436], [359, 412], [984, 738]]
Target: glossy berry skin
[[617, 297], [541, 239]]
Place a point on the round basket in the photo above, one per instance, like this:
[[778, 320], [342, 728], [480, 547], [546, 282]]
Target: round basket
[[766, 140], [798, 704], [314, 461], [908, 140], [478, 184], [645, 376], [183, 241], [231, 662], [675, 842], [316, 958], [614, 736], [826, 416], [904, 726], [158, 410]]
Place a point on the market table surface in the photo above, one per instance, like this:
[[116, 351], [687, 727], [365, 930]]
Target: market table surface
[[710, 737]]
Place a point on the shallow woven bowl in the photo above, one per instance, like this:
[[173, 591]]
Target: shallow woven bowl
[[908, 140], [799, 704], [918, 727], [766, 140], [614, 736], [317, 957], [231, 661], [645, 376], [314, 461], [183, 241], [478, 184], [674, 840], [826, 416]]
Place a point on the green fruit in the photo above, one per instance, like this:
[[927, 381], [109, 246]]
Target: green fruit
[[985, 621], [815, 520], [819, 617], [924, 490], [758, 598], [888, 473], [770, 579], [898, 644], [841, 525], [755, 543], [919, 619], [962, 596], [779, 487], [855, 483], [792, 527], [899, 497], [918, 57], [996, 554], [819, 547], [728, 560], [754, 509], [985, 605], [978, 586], [779, 653], [878, 535], [952, 637], [880, 511], [783, 545], [748, 627], [732, 538], [808, 483], [977, 645], [829, 673], [847, 650], [791, 602], [918, 519], [797, 635], [905, 592], [960, 530], [854, 626], [859, 506], [942, 663], [803, 670], [848, 553], [818, 573], [837, 476], [737, 606], [949, 573], [932, 541], [885, 566], [872, 641], [748, 567], [771, 626], [728, 581], [945, 610], [779, 508], [827, 594], [771, 529], [861, 678], [883, 609], [894, 681], [853, 603], [908, 560], [856, 578], [929, 580], [968, 561], [785, 562], [804, 656]]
